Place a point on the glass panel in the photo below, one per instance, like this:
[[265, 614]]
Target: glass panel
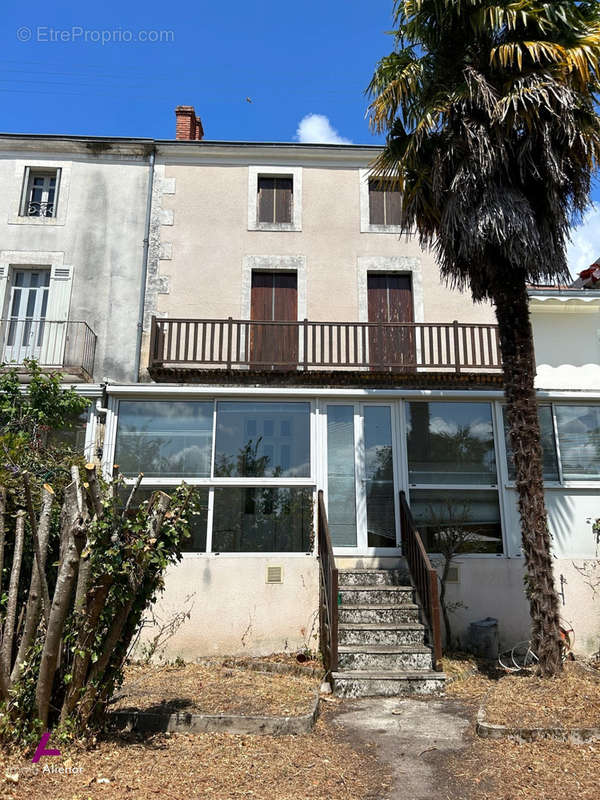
[[73, 438], [19, 278], [579, 440], [341, 511], [379, 477], [451, 443], [468, 519], [196, 542], [262, 520], [263, 440], [550, 462], [164, 438]]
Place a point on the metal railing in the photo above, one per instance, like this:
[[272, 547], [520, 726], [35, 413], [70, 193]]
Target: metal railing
[[328, 591], [424, 576], [39, 209], [61, 344], [233, 344]]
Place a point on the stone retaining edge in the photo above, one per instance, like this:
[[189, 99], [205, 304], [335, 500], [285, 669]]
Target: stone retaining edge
[[488, 730], [183, 722]]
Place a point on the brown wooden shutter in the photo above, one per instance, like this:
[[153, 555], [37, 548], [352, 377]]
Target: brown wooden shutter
[[376, 203], [283, 199], [393, 206], [266, 199]]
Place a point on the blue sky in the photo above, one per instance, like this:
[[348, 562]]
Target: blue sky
[[292, 60]]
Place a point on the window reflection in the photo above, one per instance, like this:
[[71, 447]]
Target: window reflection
[[263, 440], [164, 438], [379, 477], [451, 443], [262, 520]]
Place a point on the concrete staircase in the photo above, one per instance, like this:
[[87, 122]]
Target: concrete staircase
[[382, 646]]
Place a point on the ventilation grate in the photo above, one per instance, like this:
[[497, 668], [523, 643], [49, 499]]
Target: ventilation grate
[[62, 273], [453, 575], [274, 575]]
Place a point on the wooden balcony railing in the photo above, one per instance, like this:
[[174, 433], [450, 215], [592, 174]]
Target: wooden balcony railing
[[424, 577], [328, 592], [238, 344]]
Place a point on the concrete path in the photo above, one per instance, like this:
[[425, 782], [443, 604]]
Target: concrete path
[[410, 736]]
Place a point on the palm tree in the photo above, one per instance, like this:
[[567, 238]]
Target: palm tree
[[492, 138]]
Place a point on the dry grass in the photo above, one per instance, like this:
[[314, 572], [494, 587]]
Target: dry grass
[[506, 770], [321, 765], [571, 700], [545, 770], [214, 688]]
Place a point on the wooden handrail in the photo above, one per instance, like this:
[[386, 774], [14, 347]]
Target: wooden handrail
[[255, 344], [328, 591], [424, 576]]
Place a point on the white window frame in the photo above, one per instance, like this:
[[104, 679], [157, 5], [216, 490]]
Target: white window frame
[[281, 171]]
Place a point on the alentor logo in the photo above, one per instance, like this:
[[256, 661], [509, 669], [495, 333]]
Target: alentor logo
[[41, 749]]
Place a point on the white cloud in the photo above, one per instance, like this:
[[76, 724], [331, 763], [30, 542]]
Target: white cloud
[[584, 249], [316, 129]]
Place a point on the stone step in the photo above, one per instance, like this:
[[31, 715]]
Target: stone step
[[372, 683], [384, 657], [378, 614], [373, 595], [373, 577], [381, 633]]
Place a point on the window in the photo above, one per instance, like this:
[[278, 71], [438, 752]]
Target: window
[[262, 440], [196, 542], [341, 489], [472, 516], [385, 207], [262, 520], [451, 443], [379, 477], [40, 193], [550, 461], [570, 443], [164, 438], [275, 198], [171, 441], [579, 441]]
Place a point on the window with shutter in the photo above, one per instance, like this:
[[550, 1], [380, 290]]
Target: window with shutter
[[384, 203], [40, 193], [275, 199]]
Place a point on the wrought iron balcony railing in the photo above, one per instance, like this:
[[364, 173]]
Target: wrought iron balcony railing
[[38, 209], [64, 345], [305, 345]]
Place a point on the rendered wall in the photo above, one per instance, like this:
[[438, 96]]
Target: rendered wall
[[101, 239], [234, 611], [201, 239]]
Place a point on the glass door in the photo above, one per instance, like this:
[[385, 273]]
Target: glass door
[[28, 305], [361, 482]]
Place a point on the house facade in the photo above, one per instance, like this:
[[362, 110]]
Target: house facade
[[294, 341]]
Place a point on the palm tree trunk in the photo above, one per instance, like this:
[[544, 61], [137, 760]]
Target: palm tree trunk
[[516, 344]]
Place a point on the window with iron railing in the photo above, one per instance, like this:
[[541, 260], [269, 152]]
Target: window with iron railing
[[40, 193]]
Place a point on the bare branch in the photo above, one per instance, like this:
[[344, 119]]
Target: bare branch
[[37, 548], [13, 592], [132, 494], [2, 513], [32, 613]]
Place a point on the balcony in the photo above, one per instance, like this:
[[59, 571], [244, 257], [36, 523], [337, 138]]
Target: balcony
[[64, 346], [181, 348]]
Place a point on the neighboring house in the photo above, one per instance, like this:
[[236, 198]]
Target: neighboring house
[[294, 341], [72, 216]]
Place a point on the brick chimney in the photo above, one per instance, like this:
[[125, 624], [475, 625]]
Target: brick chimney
[[188, 125]]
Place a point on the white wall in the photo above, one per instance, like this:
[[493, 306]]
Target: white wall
[[234, 611]]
